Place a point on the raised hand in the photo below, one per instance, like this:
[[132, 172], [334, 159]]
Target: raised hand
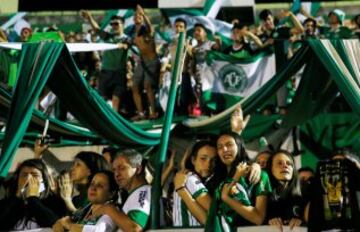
[[66, 186], [237, 121]]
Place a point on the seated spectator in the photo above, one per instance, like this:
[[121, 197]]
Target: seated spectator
[[286, 207], [102, 190], [31, 204], [85, 165], [109, 153], [129, 174]]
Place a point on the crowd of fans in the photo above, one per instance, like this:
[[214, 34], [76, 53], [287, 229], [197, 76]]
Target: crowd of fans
[[215, 181], [130, 76]]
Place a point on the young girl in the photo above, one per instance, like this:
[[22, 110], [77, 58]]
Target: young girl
[[191, 197], [86, 164], [240, 201], [286, 207], [102, 191]]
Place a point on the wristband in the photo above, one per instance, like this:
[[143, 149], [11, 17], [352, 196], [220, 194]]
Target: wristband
[[178, 189]]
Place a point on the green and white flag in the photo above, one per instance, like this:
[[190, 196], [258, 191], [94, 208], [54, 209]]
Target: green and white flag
[[212, 8], [236, 78]]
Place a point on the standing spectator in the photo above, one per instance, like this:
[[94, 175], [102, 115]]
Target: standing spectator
[[185, 89], [278, 36], [112, 80], [310, 28], [199, 52], [356, 25], [191, 198], [147, 69], [241, 46], [286, 206], [335, 29]]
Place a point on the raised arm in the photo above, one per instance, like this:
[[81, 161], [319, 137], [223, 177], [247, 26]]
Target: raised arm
[[87, 15], [147, 21], [254, 38], [297, 28]]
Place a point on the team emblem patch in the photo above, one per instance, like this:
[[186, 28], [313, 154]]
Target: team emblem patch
[[233, 78]]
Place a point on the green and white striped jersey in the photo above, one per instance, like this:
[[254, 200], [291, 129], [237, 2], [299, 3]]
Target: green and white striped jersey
[[182, 217]]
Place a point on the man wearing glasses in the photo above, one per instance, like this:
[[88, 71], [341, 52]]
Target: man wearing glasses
[[112, 81]]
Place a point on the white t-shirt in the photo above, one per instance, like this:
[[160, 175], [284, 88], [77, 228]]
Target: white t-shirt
[[181, 215], [104, 224], [137, 205]]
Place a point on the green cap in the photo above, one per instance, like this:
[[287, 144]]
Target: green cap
[[339, 14]]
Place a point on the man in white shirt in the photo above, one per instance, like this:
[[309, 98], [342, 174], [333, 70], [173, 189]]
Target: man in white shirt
[[129, 174]]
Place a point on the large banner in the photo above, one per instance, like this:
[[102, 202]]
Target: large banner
[[234, 77]]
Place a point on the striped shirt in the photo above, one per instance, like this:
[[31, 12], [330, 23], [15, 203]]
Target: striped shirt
[[182, 217]]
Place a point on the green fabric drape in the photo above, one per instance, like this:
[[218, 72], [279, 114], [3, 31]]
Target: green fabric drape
[[339, 68], [259, 125], [91, 110], [314, 94], [35, 71], [42, 61], [339, 58], [57, 128], [321, 135]]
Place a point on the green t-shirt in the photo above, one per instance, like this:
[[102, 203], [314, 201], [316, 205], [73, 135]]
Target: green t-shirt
[[263, 187], [229, 216], [340, 33], [115, 60]]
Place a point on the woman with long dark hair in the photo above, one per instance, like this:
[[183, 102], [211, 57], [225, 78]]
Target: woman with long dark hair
[[286, 206], [31, 204], [102, 190], [86, 164], [191, 198], [240, 198]]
